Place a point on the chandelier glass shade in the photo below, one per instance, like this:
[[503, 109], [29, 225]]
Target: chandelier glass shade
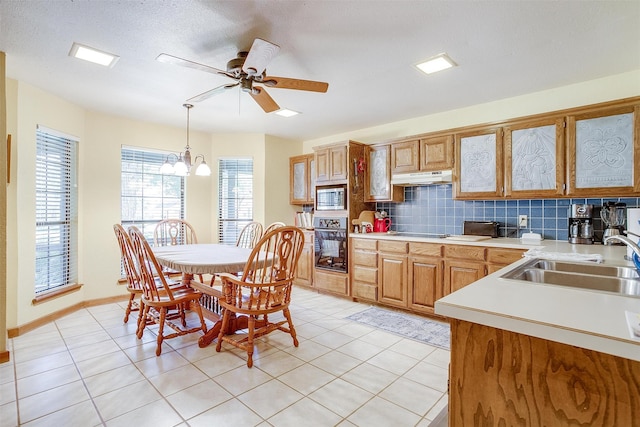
[[182, 165]]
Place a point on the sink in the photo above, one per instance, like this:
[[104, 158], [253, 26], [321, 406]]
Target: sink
[[594, 277]]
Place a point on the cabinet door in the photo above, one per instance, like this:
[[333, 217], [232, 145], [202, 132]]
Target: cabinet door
[[604, 152], [405, 156], [459, 274], [534, 159], [426, 283], [392, 273], [312, 178], [479, 171], [338, 170], [298, 180], [304, 275], [377, 183], [322, 165], [436, 153]]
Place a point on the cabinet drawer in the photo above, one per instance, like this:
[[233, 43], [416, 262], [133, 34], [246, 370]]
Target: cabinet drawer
[[476, 253], [366, 244], [363, 274], [365, 291], [331, 282], [367, 259], [426, 249], [392, 246], [503, 255]]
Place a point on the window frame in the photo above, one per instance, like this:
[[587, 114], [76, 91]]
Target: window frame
[[237, 217]]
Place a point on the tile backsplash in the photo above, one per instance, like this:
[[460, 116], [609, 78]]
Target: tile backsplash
[[430, 209]]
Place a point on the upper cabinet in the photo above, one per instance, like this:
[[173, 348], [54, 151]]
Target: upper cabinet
[[425, 154], [377, 183], [331, 164], [301, 179], [479, 165], [534, 159], [604, 152]]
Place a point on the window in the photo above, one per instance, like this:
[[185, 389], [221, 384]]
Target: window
[[147, 196], [235, 194], [56, 210]]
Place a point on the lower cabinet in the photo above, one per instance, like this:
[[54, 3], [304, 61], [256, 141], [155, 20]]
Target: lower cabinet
[[364, 269], [392, 273], [304, 275], [331, 281], [426, 281]]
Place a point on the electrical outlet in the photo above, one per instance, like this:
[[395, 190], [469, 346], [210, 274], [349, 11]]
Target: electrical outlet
[[522, 221]]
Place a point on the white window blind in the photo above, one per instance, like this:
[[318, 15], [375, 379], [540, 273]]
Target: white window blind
[[56, 210], [235, 193], [147, 196]]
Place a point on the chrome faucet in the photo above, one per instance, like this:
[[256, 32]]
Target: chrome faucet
[[633, 245]]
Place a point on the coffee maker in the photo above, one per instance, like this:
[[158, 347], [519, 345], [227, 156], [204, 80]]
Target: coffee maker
[[581, 224], [613, 215]]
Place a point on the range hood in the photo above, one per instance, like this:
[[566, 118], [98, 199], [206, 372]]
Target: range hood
[[421, 178]]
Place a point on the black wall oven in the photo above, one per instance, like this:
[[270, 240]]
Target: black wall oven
[[331, 243]]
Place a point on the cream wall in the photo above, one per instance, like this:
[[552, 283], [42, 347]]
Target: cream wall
[[276, 184], [591, 92]]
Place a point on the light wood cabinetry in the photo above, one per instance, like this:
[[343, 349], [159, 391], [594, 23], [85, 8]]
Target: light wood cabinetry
[[422, 154], [523, 380], [392, 272], [331, 164], [302, 179], [498, 258], [604, 152], [377, 183], [479, 165], [337, 283], [463, 265], [364, 269], [425, 279], [304, 274]]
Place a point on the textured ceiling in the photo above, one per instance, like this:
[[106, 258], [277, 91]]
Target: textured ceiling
[[366, 50]]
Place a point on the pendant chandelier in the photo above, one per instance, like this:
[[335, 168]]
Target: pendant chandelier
[[183, 163]]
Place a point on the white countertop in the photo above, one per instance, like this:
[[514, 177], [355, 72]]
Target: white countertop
[[587, 319]]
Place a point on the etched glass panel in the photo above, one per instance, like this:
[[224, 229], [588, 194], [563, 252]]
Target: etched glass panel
[[378, 174], [533, 158], [478, 163], [299, 182], [604, 152]]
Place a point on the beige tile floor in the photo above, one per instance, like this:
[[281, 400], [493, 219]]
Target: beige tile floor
[[88, 369]]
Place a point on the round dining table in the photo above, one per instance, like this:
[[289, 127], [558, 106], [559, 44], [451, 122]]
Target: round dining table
[[206, 258]]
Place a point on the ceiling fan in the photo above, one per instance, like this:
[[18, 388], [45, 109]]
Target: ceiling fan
[[249, 68]]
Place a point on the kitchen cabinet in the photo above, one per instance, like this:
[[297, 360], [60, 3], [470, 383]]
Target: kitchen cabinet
[[334, 282], [525, 380], [498, 258], [364, 269], [604, 152], [432, 153], [463, 265], [331, 164], [392, 272], [534, 159], [479, 164], [425, 279], [302, 179], [304, 275], [377, 184]]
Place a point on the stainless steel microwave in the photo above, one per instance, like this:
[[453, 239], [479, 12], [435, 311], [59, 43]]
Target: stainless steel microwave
[[331, 197]]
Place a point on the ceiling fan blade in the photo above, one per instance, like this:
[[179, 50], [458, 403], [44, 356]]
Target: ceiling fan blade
[[264, 100], [297, 84], [174, 60], [210, 93], [261, 53]]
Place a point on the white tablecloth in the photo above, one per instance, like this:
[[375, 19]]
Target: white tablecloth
[[203, 258]]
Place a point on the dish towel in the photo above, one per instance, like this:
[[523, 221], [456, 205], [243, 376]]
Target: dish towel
[[562, 256]]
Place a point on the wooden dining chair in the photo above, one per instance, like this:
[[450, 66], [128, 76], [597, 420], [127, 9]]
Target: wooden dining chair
[[175, 231], [250, 235], [263, 288], [273, 226], [156, 302], [134, 287]]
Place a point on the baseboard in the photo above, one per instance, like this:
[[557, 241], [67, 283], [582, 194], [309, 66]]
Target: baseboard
[[23, 329]]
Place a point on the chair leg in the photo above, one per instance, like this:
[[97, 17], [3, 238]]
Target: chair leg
[[163, 315], [142, 319], [225, 324], [292, 330], [198, 309], [252, 327], [129, 305]]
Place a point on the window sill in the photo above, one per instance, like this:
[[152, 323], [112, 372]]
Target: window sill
[[63, 290]]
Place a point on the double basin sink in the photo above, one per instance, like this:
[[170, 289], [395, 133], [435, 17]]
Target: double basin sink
[[595, 277]]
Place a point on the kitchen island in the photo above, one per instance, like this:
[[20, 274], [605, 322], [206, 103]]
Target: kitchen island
[[524, 353]]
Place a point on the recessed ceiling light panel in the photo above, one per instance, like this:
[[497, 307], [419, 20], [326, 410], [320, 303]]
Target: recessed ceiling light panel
[[437, 63], [286, 113], [93, 55]]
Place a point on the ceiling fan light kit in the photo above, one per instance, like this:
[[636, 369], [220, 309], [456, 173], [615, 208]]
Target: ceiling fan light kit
[[249, 68], [183, 164]]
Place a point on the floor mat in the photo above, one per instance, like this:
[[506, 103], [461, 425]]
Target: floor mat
[[406, 325]]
